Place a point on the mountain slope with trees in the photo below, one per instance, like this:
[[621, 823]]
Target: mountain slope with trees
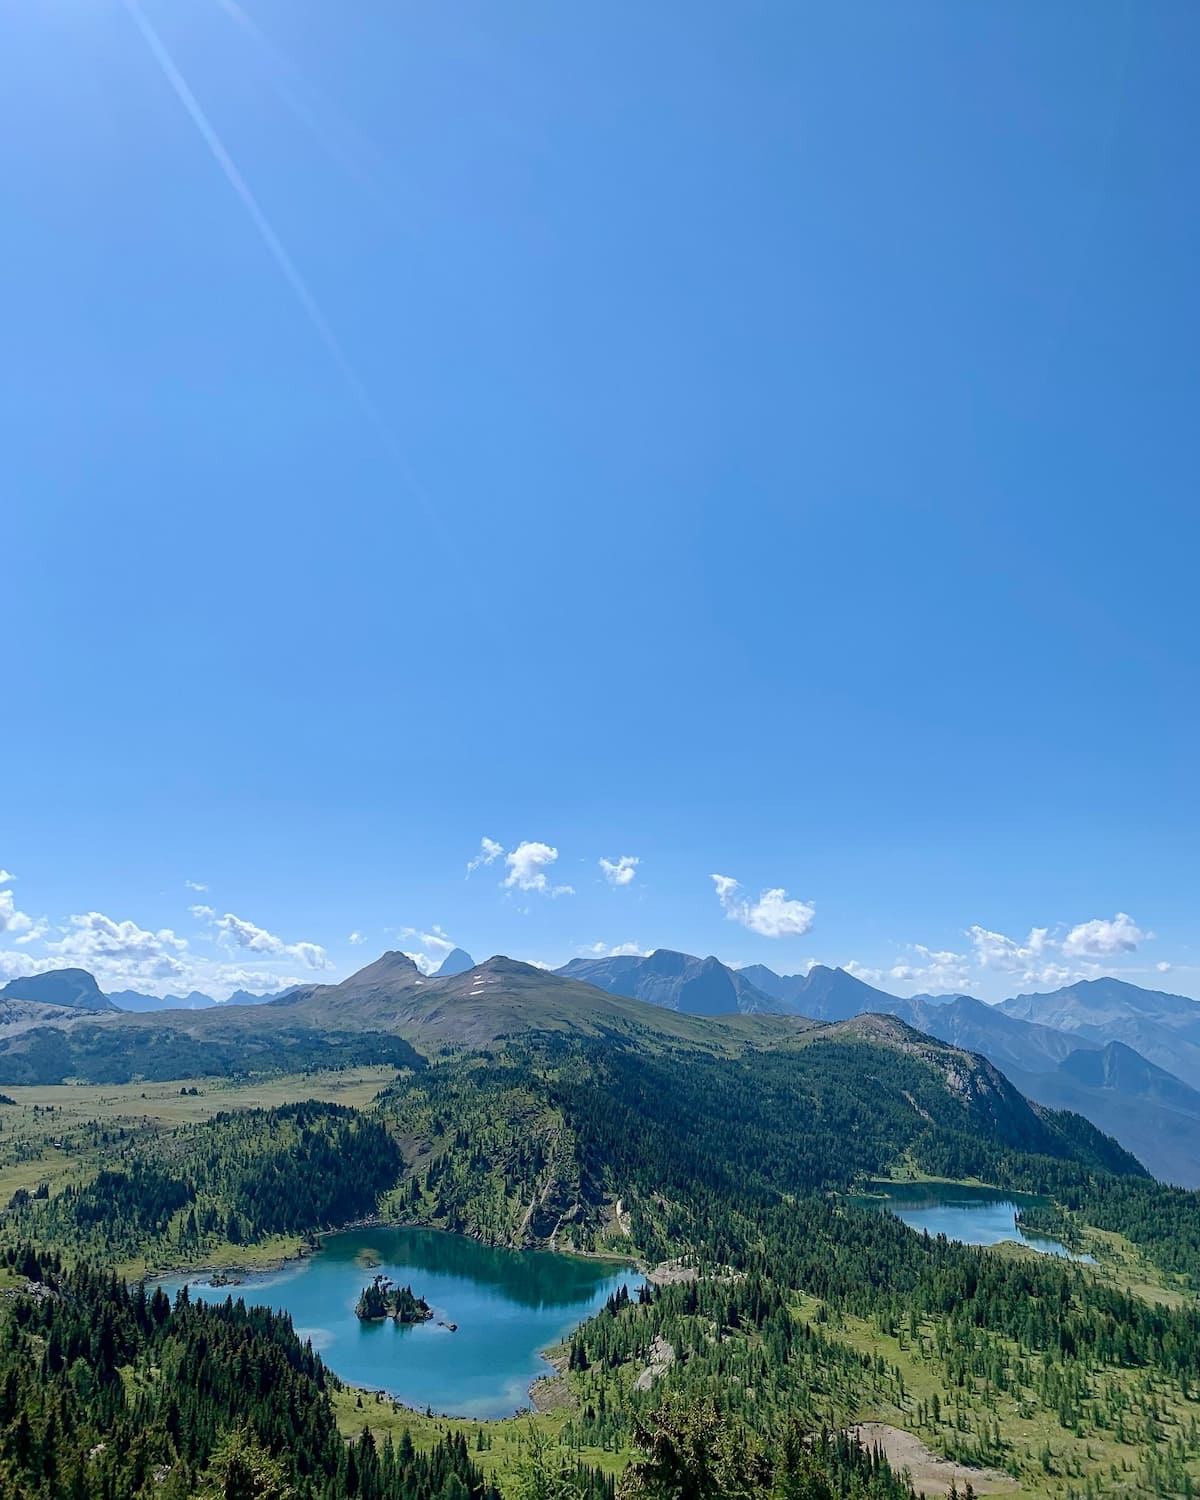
[[727, 1151], [668, 999]]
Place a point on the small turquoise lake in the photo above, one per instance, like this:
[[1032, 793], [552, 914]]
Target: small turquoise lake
[[508, 1305], [970, 1215]]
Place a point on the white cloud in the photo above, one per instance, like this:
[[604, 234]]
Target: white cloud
[[922, 970], [311, 954], [1104, 937], [865, 972], [935, 971], [995, 951], [527, 865], [19, 924], [195, 885], [119, 950], [434, 947], [939, 957], [774, 914], [436, 941], [1039, 959], [356, 938], [21, 965], [616, 950], [620, 871], [237, 933], [1036, 960], [489, 852], [229, 977], [122, 954], [1163, 966], [1055, 976]]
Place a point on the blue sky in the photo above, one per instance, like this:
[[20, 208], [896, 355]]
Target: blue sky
[[757, 441]]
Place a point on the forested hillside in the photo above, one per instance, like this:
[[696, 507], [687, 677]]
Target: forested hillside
[[783, 1308], [112, 1393], [236, 1179], [689, 1138], [795, 1305], [220, 1043], [108, 1393]]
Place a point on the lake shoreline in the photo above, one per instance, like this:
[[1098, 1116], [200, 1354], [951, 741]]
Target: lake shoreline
[[522, 1360], [305, 1249], [979, 1215]]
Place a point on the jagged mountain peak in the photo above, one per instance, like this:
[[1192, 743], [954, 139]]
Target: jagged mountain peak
[[676, 981], [457, 961]]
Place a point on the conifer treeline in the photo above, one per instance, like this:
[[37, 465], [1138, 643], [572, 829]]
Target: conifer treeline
[[111, 1393], [237, 1177]]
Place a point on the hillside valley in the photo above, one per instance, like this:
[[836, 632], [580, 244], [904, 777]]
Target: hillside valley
[[529, 1109]]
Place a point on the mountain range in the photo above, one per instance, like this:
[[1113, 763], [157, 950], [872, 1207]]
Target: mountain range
[[677, 981], [1164, 1028], [1125, 1058], [76, 989], [1077, 1048]]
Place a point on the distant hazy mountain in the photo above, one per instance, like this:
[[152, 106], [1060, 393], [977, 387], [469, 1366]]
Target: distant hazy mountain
[[1100, 1002], [835, 995], [826, 994], [1117, 1066], [705, 986], [78, 990], [75, 989], [457, 961], [676, 981], [782, 987], [1007, 1042], [1150, 1111], [1164, 1028], [134, 1000]]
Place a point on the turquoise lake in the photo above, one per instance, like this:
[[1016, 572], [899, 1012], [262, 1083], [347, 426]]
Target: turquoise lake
[[970, 1215], [508, 1305]]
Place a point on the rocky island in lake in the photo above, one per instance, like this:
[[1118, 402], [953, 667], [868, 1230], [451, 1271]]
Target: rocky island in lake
[[381, 1299]]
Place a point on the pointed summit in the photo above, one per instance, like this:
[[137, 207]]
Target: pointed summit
[[457, 961]]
